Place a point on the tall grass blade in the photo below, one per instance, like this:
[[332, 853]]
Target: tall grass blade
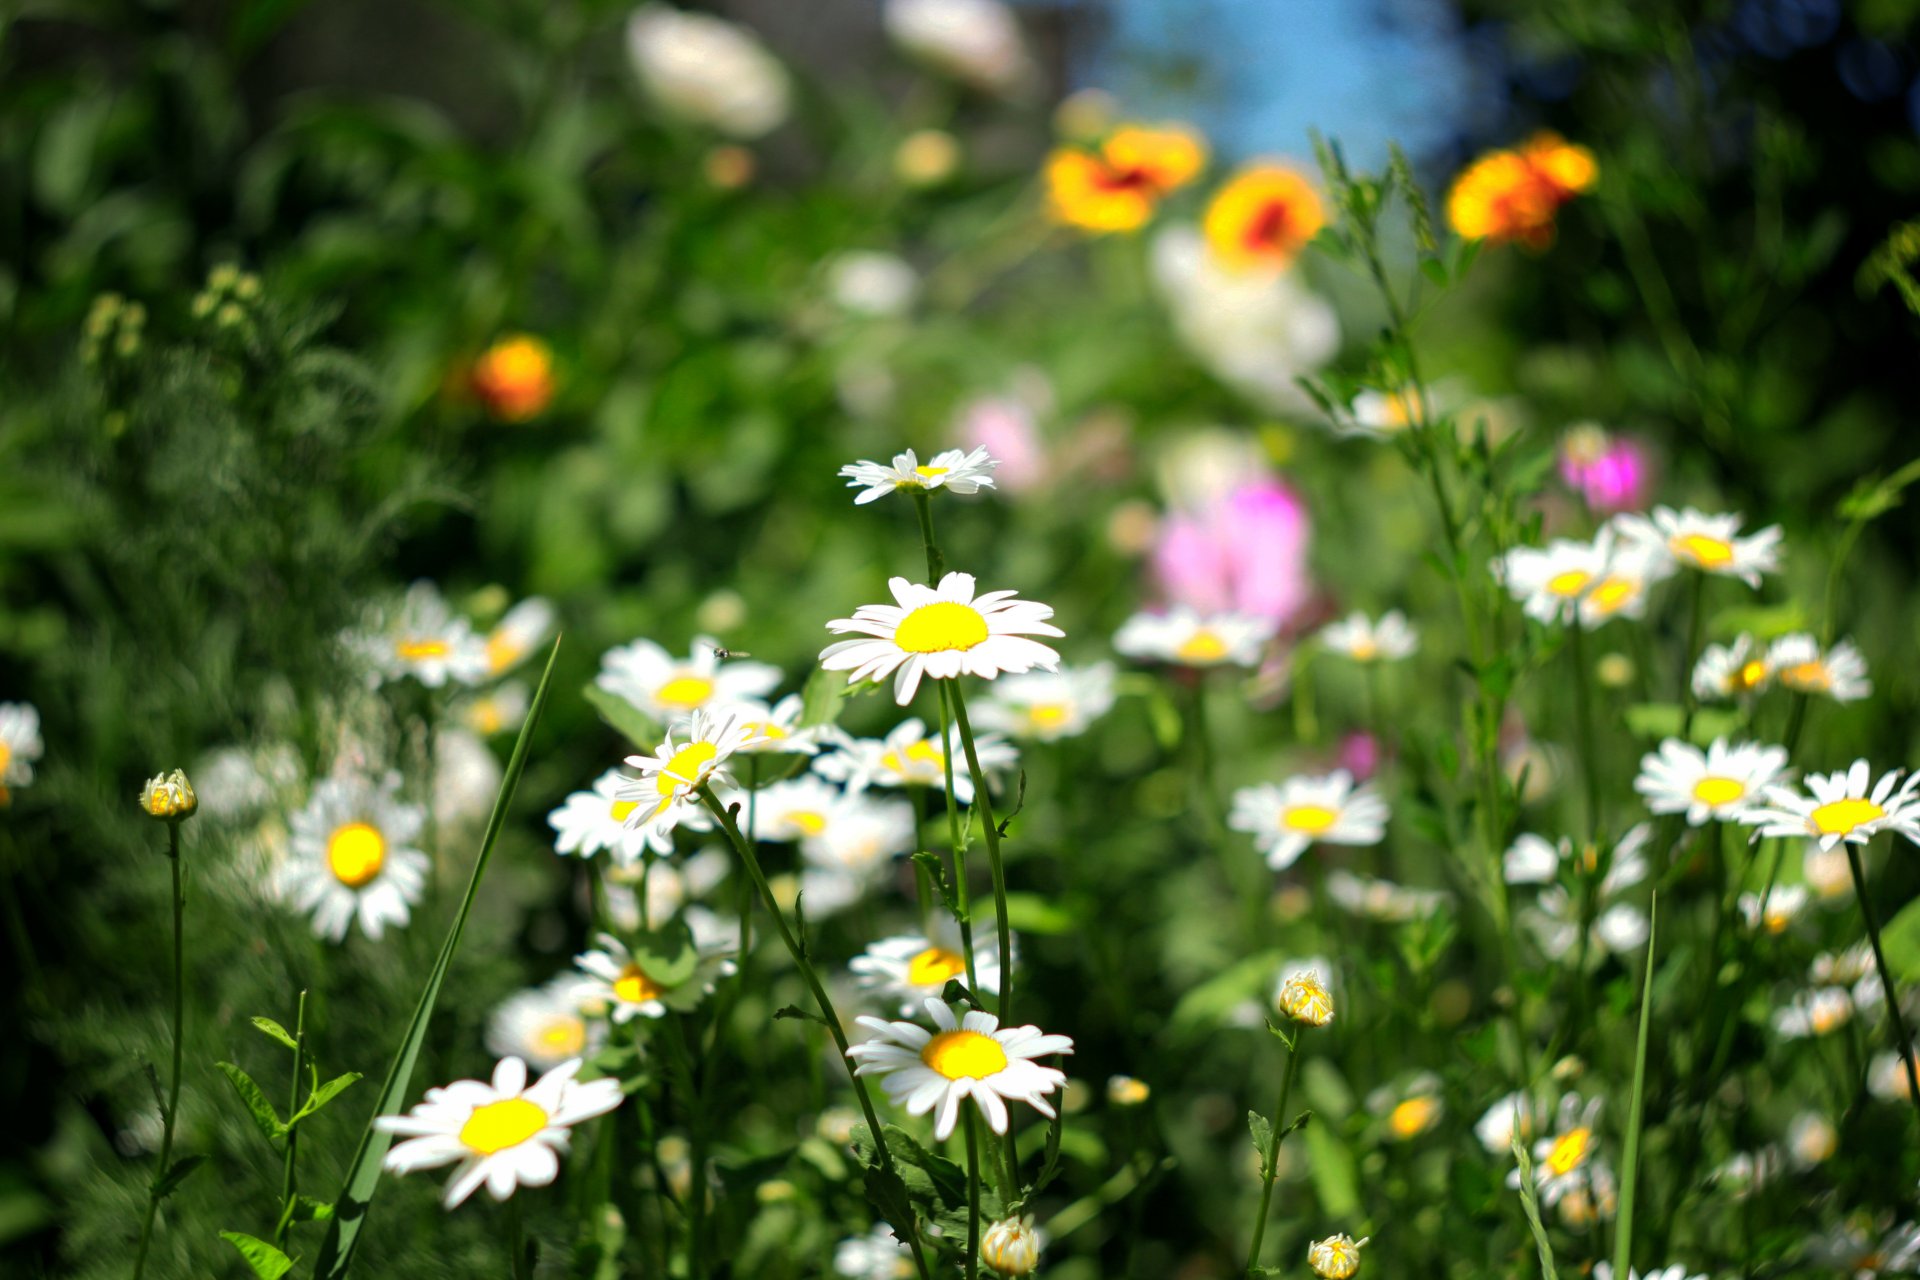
[[363, 1173], [1630, 1174]]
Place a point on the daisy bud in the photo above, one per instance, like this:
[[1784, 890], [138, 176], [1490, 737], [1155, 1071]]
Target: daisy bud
[[169, 797], [1336, 1257], [1304, 998], [1011, 1247]]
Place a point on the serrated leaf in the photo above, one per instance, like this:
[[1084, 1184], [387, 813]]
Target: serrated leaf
[[1262, 1137], [265, 1118], [323, 1095], [628, 720], [267, 1262], [182, 1169], [273, 1030]]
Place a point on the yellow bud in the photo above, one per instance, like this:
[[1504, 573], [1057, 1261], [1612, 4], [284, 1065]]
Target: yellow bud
[[169, 797]]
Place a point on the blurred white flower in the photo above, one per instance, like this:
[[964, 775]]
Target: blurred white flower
[[974, 41], [708, 71], [872, 284]]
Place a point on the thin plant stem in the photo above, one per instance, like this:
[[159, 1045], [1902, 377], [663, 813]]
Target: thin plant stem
[[962, 900], [983, 804], [287, 1199], [517, 1241], [179, 1022], [936, 563], [1269, 1159], [820, 997], [1688, 702], [1583, 704], [1902, 1045], [973, 1193]]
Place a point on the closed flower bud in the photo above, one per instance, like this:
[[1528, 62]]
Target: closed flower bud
[[1336, 1257], [1011, 1247], [169, 797], [1304, 998]]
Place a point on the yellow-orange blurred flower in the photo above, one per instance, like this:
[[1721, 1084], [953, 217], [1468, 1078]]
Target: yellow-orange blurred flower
[[1115, 186], [1514, 194], [1263, 218], [514, 377]]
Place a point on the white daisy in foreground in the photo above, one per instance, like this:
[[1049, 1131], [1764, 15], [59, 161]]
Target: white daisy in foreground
[[422, 639], [1776, 912], [962, 1057], [506, 1134], [1049, 705], [1185, 638], [1551, 581], [1719, 783], [1287, 817], [544, 1025], [953, 469], [1814, 1013], [351, 857], [1731, 670], [878, 1255], [667, 688], [1365, 640], [20, 745], [1569, 1161], [911, 969], [1510, 1117], [669, 779], [1709, 543], [593, 820], [777, 729], [1841, 808], [941, 633], [618, 983], [1337, 1257], [520, 630], [909, 757], [1840, 673]]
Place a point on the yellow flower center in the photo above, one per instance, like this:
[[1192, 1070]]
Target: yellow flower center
[[686, 767], [929, 473], [1412, 1117], [621, 810], [486, 717], [419, 650], [766, 729], [1807, 675], [924, 754], [1718, 791], [808, 822], [941, 627], [635, 987], [1826, 1016], [563, 1037], [1570, 1151], [355, 853], [932, 967], [1842, 816], [964, 1055], [1309, 819], [1708, 553], [684, 691], [1569, 582], [1613, 594], [499, 1125], [1751, 674], [6, 756], [1203, 645], [1044, 715], [502, 652], [1364, 650]]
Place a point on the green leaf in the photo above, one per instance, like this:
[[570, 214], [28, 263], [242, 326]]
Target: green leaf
[[667, 954], [1900, 942], [1636, 1109], [821, 697], [274, 1030], [308, 1209], [265, 1118], [323, 1095], [267, 1262], [1262, 1137], [628, 720], [363, 1173], [182, 1169], [1330, 1164]]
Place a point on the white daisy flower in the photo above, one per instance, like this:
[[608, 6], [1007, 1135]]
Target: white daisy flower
[[1185, 638], [1887, 1077], [1745, 1172], [854, 852], [1814, 1013], [1850, 966], [1535, 860], [878, 1255], [1776, 913], [506, 1134], [495, 710], [1379, 414], [1365, 640], [423, 639], [708, 71], [954, 469], [1841, 808], [667, 688], [1507, 1118], [795, 809], [238, 782], [777, 729], [352, 857], [935, 1071], [1382, 900], [20, 745], [1718, 784], [1410, 1107], [617, 983], [1621, 590], [1551, 581], [1731, 671], [1049, 705], [1328, 808], [1826, 871], [519, 632], [665, 791], [543, 1025], [912, 968], [1555, 920], [1840, 673], [909, 757], [941, 633], [1709, 543], [1569, 1161], [1604, 1271], [593, 820], [1850, 1248], [1811, 1139]]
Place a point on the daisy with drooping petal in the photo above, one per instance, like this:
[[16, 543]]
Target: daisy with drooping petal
[[1719, 783], [1364, 640], [20, 745], [671, 778], [1117, 185], [878, 1255], [1286, 817], [1569, 1160], [1814, 1013], [1731, 671], [1337, 1257], [1183, 637], [1262, 218], [954, 469], [935, 1071], [518, 633], [912, 968], [777, 729], [593, 820], [617, 982], [1841, 808], [1048, 705], [908, 757], [941, 633], [544, 1025], [506, 1134], [666, 687], [422, 639], [351, 857], [1840, 673], [1709, 543]]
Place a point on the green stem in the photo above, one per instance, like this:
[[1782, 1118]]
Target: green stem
[[1902, 1044], [517, 1241], [832, 1019], [179, 1020], [973, 1193], [1589, 759], [1691, 656], [281, 1228], [1270, 1158], [962, 899], [983, 805], [936, 563]]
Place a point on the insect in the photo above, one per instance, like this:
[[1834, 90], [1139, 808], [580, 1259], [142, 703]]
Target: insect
[[724, 654]]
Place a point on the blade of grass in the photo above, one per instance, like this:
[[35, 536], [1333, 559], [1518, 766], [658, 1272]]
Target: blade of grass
[[363, 1174], [1530, 1201], [1630, 1173]]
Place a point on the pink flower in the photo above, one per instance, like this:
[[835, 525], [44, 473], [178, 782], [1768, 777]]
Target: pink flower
[[1244, 552], [1613, 473], [1360, 755], [1006, 426]]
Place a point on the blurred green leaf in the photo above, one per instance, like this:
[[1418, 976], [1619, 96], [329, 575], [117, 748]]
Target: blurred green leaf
[[267, 1262]]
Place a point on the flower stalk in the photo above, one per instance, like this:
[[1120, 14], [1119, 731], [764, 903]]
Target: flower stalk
[[157, 1188], [1270, 1158]]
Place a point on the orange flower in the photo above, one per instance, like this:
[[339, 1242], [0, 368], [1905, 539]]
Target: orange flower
[[1514, 195], [1263, 218], [514, 377], [1116, 186]]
